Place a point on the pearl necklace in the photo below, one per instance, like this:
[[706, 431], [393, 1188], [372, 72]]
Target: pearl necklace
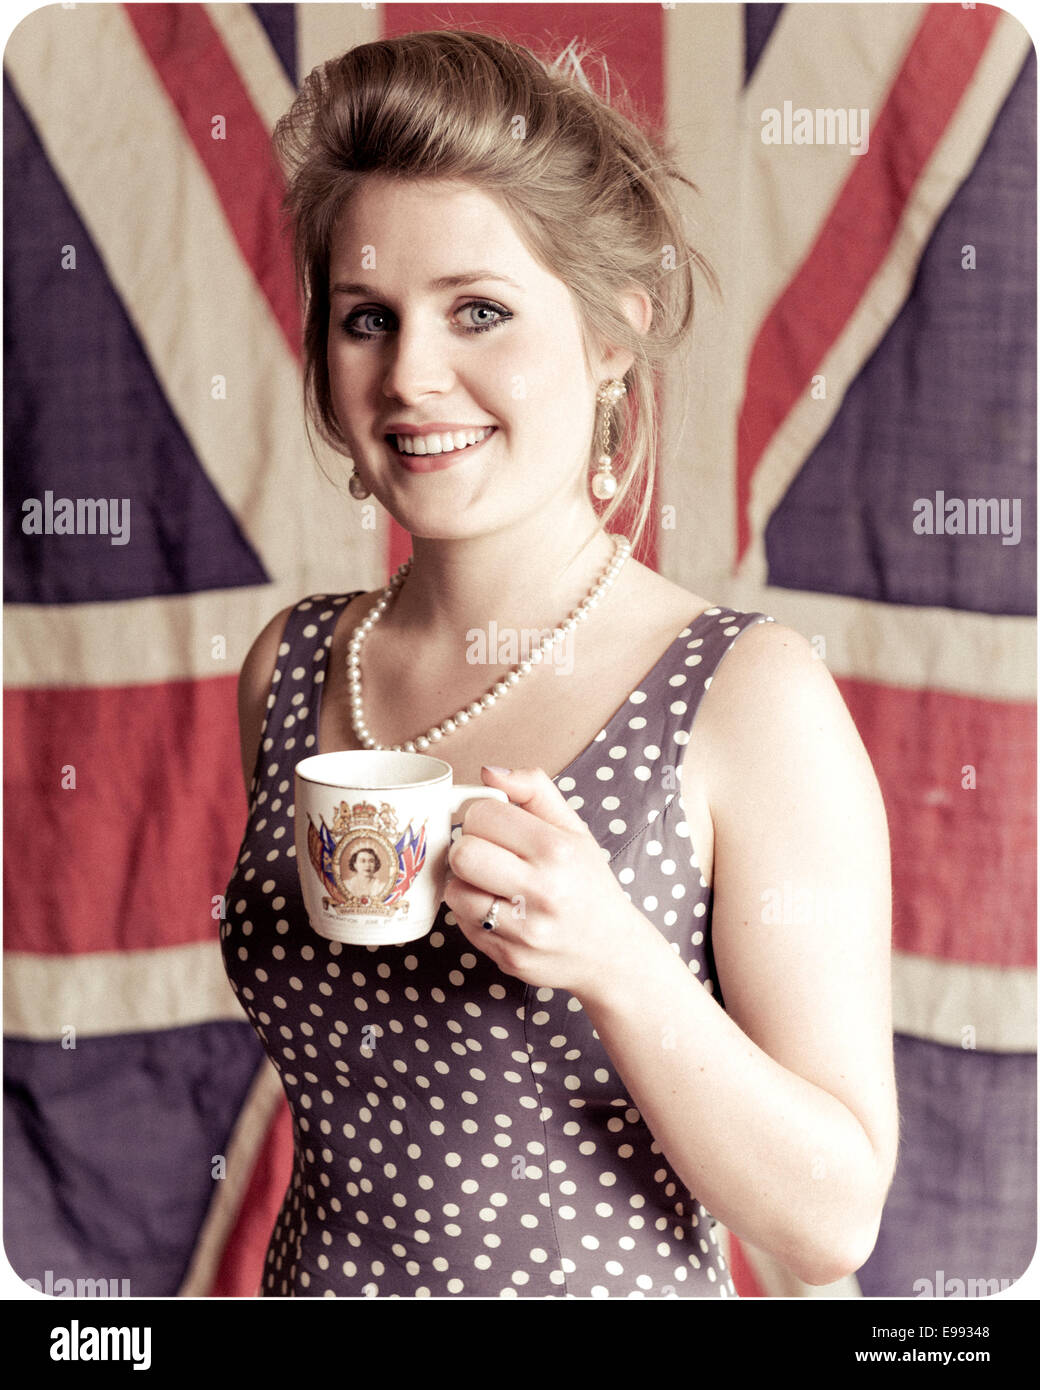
[[419, 744]]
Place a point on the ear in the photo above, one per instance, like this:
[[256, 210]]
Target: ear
[[637, 308]]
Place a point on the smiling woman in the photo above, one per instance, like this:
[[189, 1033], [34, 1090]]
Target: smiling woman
[[604, 1043], [516, 365], [522, 155]]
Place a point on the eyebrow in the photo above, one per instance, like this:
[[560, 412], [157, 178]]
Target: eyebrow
[[443, 282]]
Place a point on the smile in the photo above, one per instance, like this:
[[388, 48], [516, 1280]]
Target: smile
[[430, 452]]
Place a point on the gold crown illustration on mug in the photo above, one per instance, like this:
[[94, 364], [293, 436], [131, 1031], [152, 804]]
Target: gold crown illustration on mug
[[364, 816]]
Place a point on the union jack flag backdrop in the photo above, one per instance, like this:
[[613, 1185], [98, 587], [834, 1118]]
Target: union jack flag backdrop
[[873, 347]]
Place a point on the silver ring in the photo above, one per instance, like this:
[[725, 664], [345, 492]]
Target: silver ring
[[490, 921]]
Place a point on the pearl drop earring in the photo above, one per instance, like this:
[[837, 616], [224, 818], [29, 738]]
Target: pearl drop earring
[[604, 484], [357, 487]]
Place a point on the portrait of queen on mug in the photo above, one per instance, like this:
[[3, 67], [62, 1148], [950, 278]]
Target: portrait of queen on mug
[[365, 875]]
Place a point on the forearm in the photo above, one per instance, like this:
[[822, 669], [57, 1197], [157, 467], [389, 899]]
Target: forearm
[[776, 1159]]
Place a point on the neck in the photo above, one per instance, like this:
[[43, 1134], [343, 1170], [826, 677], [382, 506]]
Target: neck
[[529, 575]]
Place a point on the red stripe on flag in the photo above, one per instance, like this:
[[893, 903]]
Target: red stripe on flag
[[816, 305], [963, 859], [131, 855], [630, 38], [744, 1280], [194, 67], [241, 1266]]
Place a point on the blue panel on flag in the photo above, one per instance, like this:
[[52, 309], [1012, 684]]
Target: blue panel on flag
[[86, 421], [966, 1179], [939, 428], [109, 1150], [280, 23], [759, 23]]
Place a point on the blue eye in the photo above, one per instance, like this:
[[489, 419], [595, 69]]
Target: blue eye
[[357, 315], [493, 323]]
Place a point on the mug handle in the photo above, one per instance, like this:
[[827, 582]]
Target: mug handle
[[461, 794]]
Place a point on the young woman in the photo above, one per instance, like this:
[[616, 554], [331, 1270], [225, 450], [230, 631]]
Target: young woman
[[632, 1017]]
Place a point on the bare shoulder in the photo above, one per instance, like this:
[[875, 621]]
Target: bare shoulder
[[254, 683], [773, 731], [254, 679], [773, 703]]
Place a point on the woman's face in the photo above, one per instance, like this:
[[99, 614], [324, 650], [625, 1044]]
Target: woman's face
[[468, 355], [366, 862]]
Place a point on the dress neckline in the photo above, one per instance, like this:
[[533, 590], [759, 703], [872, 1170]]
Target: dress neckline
[[647, 676], [600, 737]]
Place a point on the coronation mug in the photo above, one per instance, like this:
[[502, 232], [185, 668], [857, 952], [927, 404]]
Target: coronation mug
[[372, 831]]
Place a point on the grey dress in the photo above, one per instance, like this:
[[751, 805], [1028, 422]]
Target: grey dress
[[458, 1132]]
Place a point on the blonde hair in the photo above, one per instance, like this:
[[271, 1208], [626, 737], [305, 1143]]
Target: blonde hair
[[533, 135]]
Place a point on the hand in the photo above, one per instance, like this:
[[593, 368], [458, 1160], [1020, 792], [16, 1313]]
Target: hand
[[564, 922]]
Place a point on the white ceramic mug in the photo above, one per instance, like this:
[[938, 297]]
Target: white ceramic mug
[[372, 835]]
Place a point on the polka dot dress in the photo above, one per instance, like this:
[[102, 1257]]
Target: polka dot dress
[[457, 1131]]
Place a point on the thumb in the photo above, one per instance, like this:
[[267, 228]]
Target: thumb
[[534, 791]]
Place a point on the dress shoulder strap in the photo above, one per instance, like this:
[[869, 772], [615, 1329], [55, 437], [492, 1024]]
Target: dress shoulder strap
[[686, 674]]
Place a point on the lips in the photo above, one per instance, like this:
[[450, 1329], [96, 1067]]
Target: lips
[[435, 463]]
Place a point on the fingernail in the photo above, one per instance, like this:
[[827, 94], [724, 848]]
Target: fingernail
[[499, 771]]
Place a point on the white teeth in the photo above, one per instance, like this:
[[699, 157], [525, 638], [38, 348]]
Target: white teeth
[[440, 443]]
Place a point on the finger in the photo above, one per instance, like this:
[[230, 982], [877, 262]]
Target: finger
[[536, 792], [471, 906], [487, 867], [511, 827]]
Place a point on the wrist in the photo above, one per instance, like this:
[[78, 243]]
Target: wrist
[[622, 971]]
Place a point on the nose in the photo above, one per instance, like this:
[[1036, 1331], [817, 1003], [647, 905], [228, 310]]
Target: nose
[[418, 361]]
